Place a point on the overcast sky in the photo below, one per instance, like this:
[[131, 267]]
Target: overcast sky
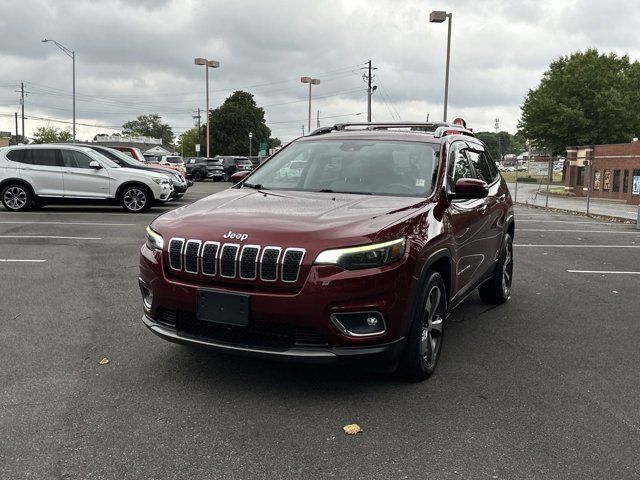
[[135, 57]]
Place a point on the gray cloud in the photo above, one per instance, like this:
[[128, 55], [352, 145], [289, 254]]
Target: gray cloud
[[136, 57]]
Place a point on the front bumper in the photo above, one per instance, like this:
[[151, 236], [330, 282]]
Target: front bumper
[[376, 355]]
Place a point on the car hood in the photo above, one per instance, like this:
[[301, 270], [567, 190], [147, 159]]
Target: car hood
[[139, 173], [285, 218]]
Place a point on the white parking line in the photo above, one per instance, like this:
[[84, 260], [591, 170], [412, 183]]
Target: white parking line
[[575, 246], [576, 231], [7, 260], [73, 223], [592, 222], [53, 237], [604, 272]]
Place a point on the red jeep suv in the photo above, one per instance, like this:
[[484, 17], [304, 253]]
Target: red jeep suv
[[360, 257]]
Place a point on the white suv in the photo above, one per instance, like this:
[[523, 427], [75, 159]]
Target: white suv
[[34, 175]]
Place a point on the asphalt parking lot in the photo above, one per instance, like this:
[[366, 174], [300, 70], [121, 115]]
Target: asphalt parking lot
[[545, 386]]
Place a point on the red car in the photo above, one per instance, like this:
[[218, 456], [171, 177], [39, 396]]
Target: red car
[[360, 258]]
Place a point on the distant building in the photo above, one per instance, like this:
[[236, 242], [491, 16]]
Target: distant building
[[615, 171], [5, 138], [143, 143]]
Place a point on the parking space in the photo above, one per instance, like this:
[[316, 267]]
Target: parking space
[[545, 386]]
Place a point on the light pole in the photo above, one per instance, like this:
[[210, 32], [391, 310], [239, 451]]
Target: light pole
[[310, 81], [207, 64], [250, 137], [439, 16], [72, 55]]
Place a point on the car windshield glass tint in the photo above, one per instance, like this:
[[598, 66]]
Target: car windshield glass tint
[[352, 166], [174, 160]]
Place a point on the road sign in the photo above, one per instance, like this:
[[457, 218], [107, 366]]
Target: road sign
[[263, 146], [197, 148], [262, 153], [538, 169]]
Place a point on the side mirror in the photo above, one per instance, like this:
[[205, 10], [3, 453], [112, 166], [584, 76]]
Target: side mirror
[[95, 164], [239, 176], [468, 188]]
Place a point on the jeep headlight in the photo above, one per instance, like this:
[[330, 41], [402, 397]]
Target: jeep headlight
[[154, 240], [161, 180], [364, 256]]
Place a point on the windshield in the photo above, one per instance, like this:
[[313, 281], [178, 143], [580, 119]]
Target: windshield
[[118, 157], [352, 166], [102, 158], [244, 161], [174, 160]]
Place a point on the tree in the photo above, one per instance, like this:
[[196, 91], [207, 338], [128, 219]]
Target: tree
[[149, 126], [231, 123], [502, 143], [15, 140], [187, 143], [583, 99], [51, 134]]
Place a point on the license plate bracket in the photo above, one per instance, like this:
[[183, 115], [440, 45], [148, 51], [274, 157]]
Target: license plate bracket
[[223, 307]]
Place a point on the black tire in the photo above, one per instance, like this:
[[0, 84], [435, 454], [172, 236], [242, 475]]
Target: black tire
[[424, 342], [497, 289], [226, 177], [197, 176], [178, 196], [16, 197], [135, 198]]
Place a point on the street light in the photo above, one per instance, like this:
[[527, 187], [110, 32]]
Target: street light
[[71, 54], [310, 81], [207, 65], [439, 16], [250, 137]]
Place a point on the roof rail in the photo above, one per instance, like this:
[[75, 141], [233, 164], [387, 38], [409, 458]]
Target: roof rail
[[425, 126]]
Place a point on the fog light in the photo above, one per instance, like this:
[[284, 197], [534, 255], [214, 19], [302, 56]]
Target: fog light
[[147, 297], [359, 324]]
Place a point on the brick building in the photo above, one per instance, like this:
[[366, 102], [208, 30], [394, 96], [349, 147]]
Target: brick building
[[615, 171]]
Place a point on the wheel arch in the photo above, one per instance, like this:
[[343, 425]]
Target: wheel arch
[[441, 262], [134, 183], [11, 180]]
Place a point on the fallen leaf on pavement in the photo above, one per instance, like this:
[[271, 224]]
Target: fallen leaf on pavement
[[352, 429], [104, 361]]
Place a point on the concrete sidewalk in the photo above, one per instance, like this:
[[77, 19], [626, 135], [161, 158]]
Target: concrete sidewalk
[[528, 194]]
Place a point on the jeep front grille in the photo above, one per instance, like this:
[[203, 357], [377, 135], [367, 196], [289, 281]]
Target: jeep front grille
[[230, 260]]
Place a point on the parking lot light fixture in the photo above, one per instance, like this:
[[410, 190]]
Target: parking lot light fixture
[[207, 65], [72, 55], [439, 16], [310, 81]]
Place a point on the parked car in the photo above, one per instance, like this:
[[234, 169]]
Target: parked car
[[201, 168], [133, 152], [233, 164], [178, 181], [361, 258], [293, 169], [35, 175], [173, 160]]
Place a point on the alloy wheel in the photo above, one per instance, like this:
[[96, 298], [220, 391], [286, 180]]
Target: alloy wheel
[[507, 269], [432, 325], [135, 199], [15, 197]]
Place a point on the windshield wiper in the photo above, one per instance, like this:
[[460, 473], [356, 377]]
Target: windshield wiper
[[328, 190], [255, 186]]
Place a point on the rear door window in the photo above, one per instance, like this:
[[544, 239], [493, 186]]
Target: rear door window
[[73, 159], [480, 163], [46, 157]]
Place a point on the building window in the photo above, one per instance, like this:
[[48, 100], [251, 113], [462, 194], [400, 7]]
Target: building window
[[616, 181], [597, 180], [606, 181], [580, 177], [625, 182]]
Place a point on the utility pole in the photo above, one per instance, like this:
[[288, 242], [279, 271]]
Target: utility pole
[[197, 117], [303, 130], [17, 135], [22, 103], [497, 126], [318, 119], [368, 78]]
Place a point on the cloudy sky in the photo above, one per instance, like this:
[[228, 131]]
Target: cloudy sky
[[135, 57]]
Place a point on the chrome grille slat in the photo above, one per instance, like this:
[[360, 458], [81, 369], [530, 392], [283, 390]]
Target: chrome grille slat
[[249, 262], [291, 261], [175, 253], [269, 264], [228, 259], [210, 258], [191, 253]]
